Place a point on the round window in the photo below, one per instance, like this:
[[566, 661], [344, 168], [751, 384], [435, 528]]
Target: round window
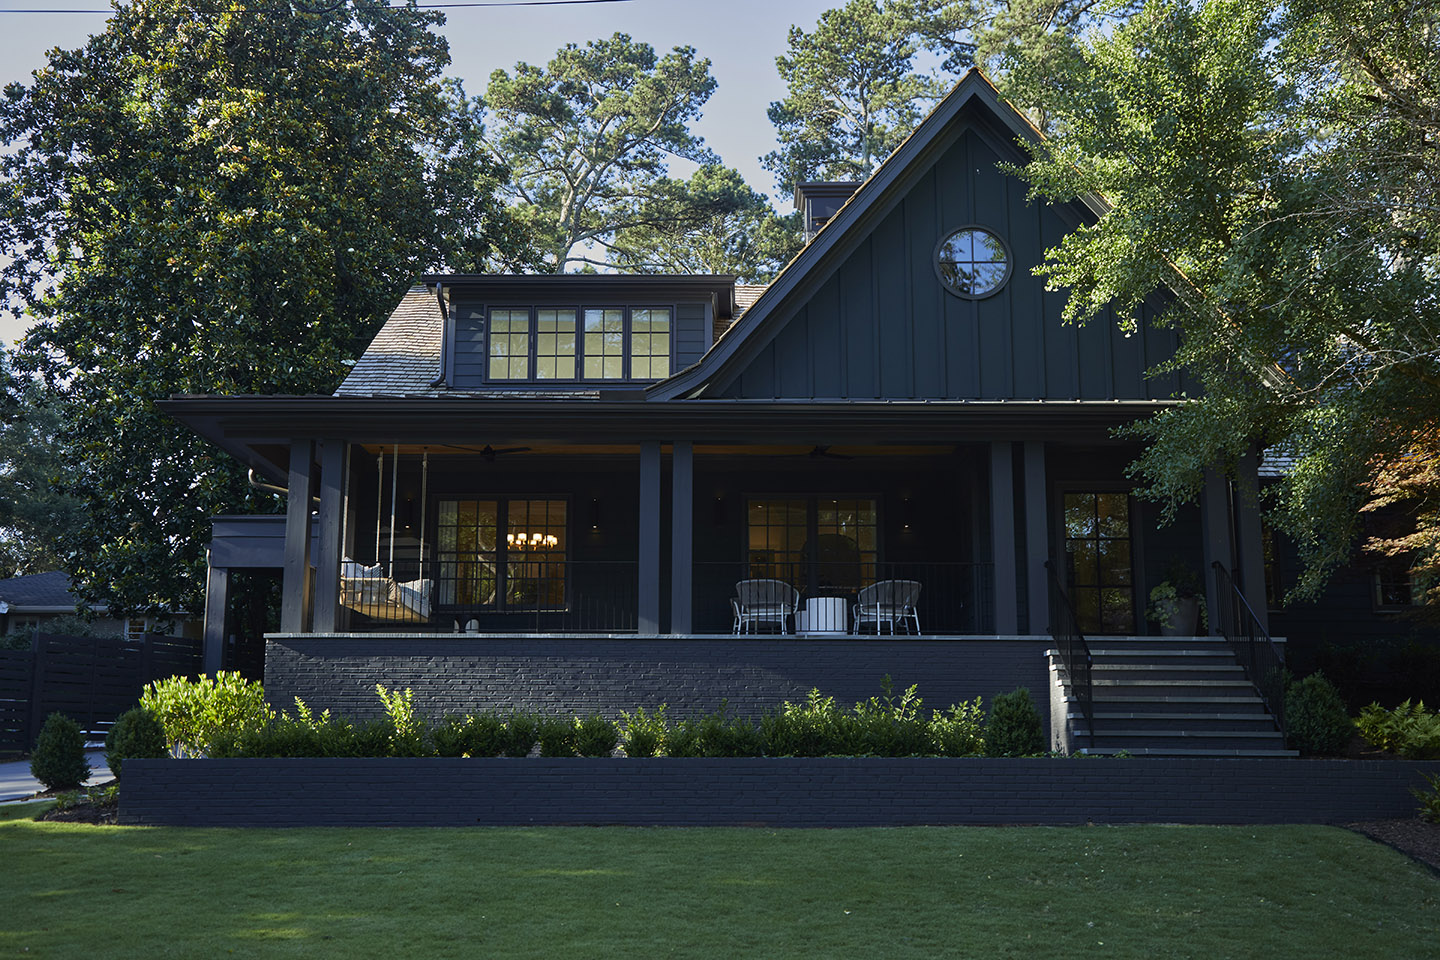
[[972, 262]]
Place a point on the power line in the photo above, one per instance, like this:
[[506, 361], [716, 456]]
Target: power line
[[393, 6]]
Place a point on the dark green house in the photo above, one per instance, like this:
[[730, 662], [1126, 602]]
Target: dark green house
[[552, 490]]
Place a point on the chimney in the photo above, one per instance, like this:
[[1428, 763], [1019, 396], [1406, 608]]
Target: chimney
[[819, 201]]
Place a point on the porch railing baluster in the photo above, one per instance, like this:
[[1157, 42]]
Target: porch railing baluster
[[1074, 651], [1259, 656]]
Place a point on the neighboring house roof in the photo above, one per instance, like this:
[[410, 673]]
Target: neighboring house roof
[[404, 357], [38, 593]]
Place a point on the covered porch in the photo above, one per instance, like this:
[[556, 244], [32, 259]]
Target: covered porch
[[508, 517]]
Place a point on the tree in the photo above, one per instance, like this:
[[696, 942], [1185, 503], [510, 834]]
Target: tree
[[852, 93], [719, 225], [211, 197], [35, 511], [586, 139], [1276, 169]]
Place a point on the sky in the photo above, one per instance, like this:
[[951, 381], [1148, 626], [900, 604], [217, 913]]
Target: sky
[[741, 38]]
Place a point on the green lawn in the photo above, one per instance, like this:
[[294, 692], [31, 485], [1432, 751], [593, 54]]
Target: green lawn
[[1206, 892]]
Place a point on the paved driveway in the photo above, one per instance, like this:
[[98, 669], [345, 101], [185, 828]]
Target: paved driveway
[[17, 784]]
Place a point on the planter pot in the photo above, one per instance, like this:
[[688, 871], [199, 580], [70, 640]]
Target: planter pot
[[1180, 616]]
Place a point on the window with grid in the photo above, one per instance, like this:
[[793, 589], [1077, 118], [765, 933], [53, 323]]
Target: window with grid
[[846, 544], [1097, 547], [816, 544], [523, 570], [535, 554], [778, 532], [509, 344], [650, 343], [605, 344], [555, 344]]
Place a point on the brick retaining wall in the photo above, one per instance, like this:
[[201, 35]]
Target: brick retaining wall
[[828, 792], [584, 675]]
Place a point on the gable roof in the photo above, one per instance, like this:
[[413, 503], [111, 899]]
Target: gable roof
[[38, 592], [764, 318]]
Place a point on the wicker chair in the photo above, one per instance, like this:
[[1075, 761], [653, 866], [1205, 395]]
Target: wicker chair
[[889, 601], [764, 601]]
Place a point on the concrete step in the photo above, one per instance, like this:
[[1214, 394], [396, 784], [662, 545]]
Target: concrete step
[[1184, 752], [1110, 720], [1176, 704], [1166, 671], [1186, 740]]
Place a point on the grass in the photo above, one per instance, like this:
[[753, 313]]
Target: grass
[[1158, 891]]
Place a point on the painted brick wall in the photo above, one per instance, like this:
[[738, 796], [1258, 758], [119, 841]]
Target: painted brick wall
[[607, 674], [830, 792]]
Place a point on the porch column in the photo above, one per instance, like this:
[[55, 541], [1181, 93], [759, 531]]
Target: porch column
[[1215, 537], [1249, 539], [1037, 536], [217, 590], [295, 593], [333, 461], [682, 534], [649, 568], [1002, 537]]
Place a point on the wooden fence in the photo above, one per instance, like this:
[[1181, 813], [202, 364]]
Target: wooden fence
[[92, 680]]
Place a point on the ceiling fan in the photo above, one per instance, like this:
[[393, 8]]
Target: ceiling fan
[[489, 453]]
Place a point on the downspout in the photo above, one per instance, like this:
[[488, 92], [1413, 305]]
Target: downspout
[[267, 487], [443, 379]]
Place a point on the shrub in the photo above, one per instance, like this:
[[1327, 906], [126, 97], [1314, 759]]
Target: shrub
[[136, 733], [886, 727], [58, 760], [407, 737], [1316, 721], [518, 735], [720, 735], [815, 728], [958, 732], [595, 736], [683, 740], [1408, 730], [556, 736], [1429, 799], [642, 734], [195, 713], [1014, 729]]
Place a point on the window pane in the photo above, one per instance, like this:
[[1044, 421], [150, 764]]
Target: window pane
[[604, 344], [649, 343], [777, 540], [466, 553], [509, 345], [554, 344], [535, 535]]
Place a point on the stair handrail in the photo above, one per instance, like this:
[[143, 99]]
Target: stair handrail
[[1075, 655], [1259, 656]]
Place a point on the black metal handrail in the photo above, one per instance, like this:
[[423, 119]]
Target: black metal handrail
[[1074, 651], [1259, 656]]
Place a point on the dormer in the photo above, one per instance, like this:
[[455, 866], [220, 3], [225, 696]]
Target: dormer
[[575, 331]]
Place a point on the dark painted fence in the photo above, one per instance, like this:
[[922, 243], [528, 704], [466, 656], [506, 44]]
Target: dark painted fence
[[93, 680]]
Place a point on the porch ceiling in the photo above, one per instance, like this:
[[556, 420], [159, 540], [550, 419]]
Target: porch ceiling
[[258, 430]]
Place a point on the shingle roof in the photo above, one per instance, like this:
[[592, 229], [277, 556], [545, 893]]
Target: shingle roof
[[38, 590], [404, 357], [745, 295]]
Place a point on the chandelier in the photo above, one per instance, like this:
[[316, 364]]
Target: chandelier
[[531, 541]]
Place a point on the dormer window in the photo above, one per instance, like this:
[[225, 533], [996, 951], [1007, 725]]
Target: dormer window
[[579, 344]]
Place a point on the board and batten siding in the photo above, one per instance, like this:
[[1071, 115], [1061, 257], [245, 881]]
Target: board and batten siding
[[881, 325], [690, 338]]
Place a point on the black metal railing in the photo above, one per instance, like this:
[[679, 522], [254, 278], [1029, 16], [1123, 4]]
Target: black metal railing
[[1074, 651], [481, 596], [1260, 656], [953, 598]]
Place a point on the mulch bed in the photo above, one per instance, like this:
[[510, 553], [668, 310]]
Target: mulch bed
[[1414, 838]]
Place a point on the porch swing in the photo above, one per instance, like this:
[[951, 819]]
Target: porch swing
[[373, 590]]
